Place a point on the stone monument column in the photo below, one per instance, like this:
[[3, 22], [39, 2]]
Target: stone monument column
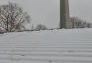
[[64, 15]]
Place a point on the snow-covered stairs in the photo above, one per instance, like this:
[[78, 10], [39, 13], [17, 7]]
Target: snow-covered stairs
[[71, 46]]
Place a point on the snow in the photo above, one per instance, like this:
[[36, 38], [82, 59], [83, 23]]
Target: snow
[[49, 46]]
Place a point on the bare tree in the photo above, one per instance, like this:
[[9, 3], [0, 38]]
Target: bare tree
[[79, 23], [12, 17]]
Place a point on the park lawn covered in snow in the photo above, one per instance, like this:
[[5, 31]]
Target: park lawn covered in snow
[[48, 46]]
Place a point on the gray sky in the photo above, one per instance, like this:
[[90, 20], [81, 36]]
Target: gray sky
[[47, 11]]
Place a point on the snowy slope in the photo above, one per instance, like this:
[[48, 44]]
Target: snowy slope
[[55, 46]]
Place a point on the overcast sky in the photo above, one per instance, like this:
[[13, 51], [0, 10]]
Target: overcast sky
[[47, 11]]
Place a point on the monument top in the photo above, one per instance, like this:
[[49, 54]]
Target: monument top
[[64, 14]]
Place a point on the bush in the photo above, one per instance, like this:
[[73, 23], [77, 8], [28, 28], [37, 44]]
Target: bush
[[41, 27]]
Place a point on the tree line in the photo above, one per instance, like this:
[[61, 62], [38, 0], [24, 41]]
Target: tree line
[[79, 23]]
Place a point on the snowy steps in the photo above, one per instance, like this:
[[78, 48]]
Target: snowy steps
[[40, 48], [40, 51]]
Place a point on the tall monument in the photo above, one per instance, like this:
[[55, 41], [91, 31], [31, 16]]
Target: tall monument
[[64, 14]]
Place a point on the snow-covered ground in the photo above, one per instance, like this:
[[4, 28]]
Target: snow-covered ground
[[54, 46]]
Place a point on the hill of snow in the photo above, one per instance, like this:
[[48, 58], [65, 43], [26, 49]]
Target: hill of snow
[[54, 46]]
